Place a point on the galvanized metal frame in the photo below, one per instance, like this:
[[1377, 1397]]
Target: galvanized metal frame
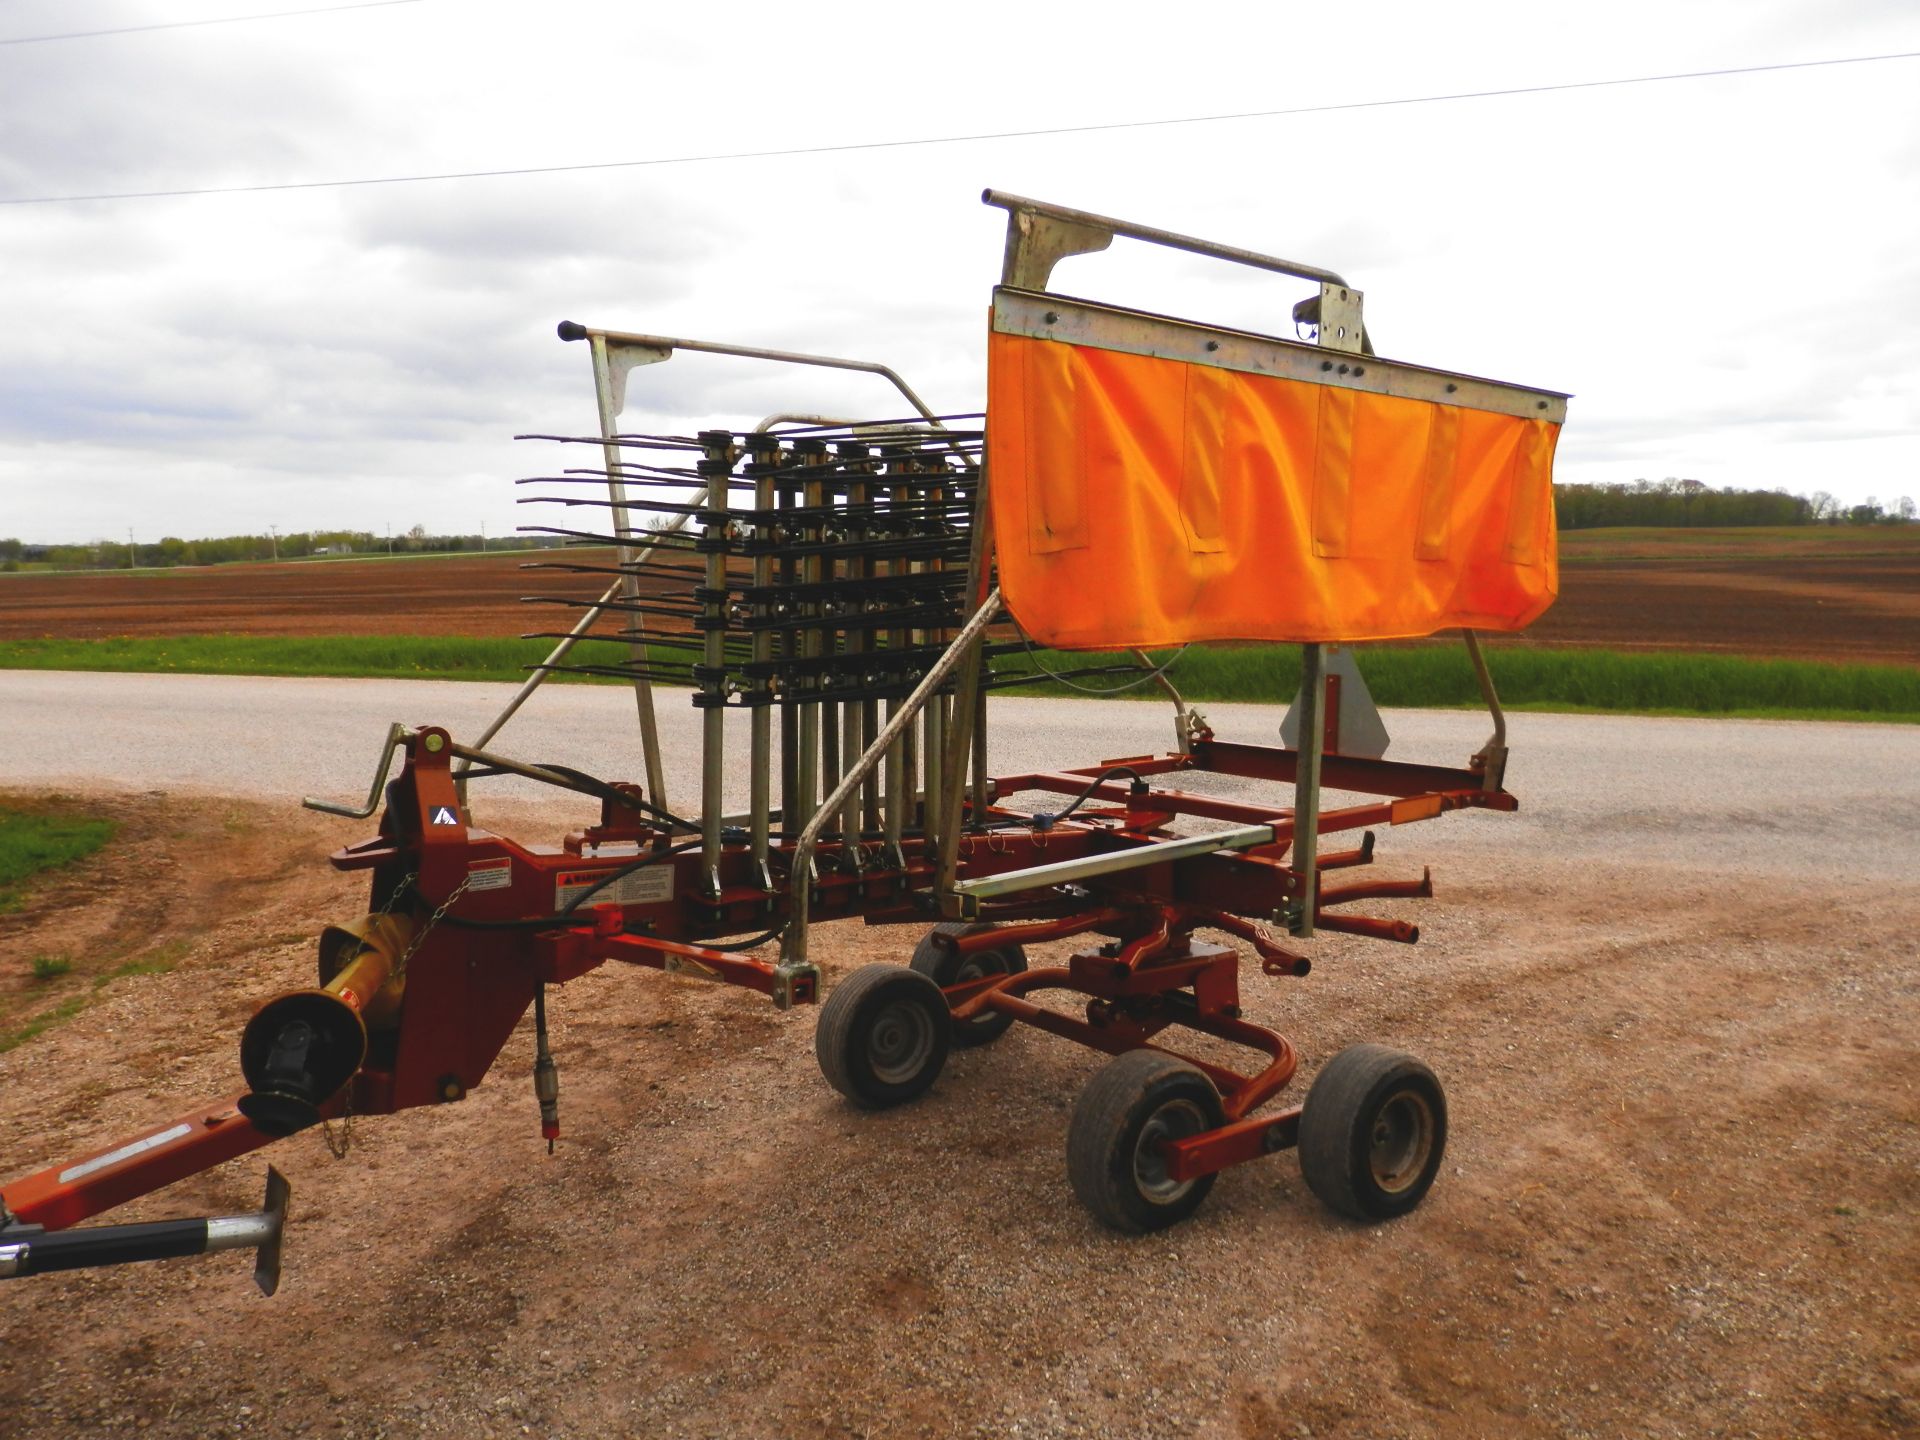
[[1043, 316]]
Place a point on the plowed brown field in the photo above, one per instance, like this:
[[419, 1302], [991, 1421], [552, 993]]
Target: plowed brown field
[[1815, 594]]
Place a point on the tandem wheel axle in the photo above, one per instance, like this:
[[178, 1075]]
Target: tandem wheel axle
[[1152, 1128]]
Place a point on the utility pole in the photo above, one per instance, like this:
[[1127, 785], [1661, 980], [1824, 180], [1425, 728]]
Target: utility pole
[[130, 547], [483, 537], [274, 531], [389, 539]]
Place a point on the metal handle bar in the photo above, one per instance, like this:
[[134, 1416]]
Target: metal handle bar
[[1154, 236], [395, 734], [571, 331]]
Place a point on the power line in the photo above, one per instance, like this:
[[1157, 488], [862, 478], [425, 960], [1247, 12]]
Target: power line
[[193, 24], [854, 146]]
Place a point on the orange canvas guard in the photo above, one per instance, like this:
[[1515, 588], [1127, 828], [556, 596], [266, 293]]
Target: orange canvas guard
[[1148, 500]]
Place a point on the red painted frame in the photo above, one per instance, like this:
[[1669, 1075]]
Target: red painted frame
[[467, 987]]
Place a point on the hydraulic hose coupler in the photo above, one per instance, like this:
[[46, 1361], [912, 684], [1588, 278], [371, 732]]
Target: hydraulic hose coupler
[[546, 1074]]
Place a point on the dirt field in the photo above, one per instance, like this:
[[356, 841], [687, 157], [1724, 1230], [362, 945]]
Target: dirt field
[[1824, 595], [1679, 1198]]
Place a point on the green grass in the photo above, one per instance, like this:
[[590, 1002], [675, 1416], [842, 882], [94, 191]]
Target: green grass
[[32, 843], [1440, 677], [408, 657], [1424, 676], [44, 1021], [157, 961], [1666, 544]]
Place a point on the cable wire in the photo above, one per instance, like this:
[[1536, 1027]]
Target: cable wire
[[1040, 665], [972, 139], [195, 24]]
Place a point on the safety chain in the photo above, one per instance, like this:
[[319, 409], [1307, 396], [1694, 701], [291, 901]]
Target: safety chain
[[400, 967], [339, 1145]]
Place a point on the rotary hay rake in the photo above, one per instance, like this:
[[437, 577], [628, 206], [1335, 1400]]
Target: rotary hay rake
[[842, 591]]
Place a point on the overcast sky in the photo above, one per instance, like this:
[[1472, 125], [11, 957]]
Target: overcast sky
[[1725, 272]]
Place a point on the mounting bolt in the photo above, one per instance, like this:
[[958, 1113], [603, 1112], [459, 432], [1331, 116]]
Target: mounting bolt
[[436, 743]]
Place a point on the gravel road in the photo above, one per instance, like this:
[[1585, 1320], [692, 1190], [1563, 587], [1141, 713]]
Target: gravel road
[[1756, 796], [1675, 1002]]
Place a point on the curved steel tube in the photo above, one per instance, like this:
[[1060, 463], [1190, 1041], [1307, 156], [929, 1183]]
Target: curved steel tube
[[793, 946], [395, 734]]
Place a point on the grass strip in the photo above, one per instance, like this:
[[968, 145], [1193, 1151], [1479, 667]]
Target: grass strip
[[1435, 676], [31, 843], [396, 657], [1440, 676]]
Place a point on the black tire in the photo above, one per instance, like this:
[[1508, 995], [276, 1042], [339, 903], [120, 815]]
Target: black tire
[[948, 967], [1134, 1101], [882, 1036], [1373, 1132]]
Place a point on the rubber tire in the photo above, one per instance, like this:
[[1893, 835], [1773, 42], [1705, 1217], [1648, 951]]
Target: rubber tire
[[945, 968], [1337, 1130], [1105, 1133], [855, 1009]]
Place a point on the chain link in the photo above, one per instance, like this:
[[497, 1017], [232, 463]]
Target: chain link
[[341, 1143], [400, 967]]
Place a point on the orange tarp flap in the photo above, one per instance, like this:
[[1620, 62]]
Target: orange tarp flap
[[1140, 501]]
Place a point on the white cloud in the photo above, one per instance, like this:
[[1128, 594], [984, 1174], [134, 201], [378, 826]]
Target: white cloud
[[1718, 269]]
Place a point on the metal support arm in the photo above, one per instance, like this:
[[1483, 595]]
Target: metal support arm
[[793, 946]]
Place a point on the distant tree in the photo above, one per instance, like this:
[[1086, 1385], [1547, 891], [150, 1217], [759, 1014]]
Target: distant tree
[[1866, 513], [1905, 509], [1682, 502]]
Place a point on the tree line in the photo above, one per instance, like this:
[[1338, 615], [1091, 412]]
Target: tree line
[[1692, 502], [171, 550], [1576, 507]]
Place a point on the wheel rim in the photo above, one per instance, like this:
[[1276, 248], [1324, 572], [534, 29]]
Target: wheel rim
[[1401, 1141], [900, 1043], [1174, 1120]]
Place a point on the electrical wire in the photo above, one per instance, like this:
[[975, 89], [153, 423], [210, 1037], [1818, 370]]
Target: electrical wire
[[851, 147], [196, 24], [600, 788], [1041, 820], [1039, 665]]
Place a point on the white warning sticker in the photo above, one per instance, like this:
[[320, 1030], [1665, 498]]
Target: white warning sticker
[[648, 885], [125, 1152], [490, 874]]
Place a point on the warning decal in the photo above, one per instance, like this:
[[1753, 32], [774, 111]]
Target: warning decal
[[443, 815], [648, 885], [490, 874]]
